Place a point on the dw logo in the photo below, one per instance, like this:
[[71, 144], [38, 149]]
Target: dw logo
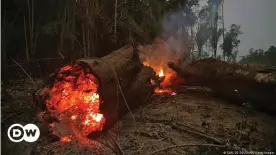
[[18, 133]]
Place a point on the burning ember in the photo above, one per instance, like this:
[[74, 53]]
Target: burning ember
[[165, 84], [161, 73], [66, 139], [157, 56], [74, 101], [169, 80]]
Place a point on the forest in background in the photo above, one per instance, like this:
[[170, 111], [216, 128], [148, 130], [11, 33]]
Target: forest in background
[[38, 34], [260, 57]]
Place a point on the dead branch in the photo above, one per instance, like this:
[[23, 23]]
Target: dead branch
[[185, 145], [176, 126], [116, 144], [108, 146], [14, 114], [26, 39], [24, 71], [35, 61], [216, 140], [115, 20]]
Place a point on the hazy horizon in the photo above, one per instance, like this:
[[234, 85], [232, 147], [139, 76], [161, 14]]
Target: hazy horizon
[[257, 20]]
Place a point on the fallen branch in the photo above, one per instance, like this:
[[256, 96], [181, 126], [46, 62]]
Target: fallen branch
[[107, 145], [17, 113], [186, 145], [216, 140], [33, 61], [116, 145], [176, 126], [24, 71]]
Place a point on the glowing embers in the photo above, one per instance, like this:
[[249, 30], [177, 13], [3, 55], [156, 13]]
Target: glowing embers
[[156, 56], [161, 73], [74, 101], [166, 82], [66, 139], [168, 78]]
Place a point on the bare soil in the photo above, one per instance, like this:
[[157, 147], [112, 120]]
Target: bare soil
[[190, 122]]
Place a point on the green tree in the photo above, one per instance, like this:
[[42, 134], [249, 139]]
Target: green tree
[[201, 37], [208, 29], [271, 56], [85, 28], [216, 31], [260, 57], [231, 41]]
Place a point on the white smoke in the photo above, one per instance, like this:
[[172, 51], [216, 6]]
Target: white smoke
[[176, 33], [174, 42]]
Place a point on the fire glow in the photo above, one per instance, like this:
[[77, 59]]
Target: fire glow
[[164, 86], [74, 99], [168, 79], [161, 73], [157, 56], [66, 139]]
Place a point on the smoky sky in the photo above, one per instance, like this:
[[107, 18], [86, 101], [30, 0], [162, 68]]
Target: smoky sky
[[257, 19]]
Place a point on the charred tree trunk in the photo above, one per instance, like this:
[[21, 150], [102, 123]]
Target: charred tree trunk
[[124, 83], [232, 81], [123, 80]]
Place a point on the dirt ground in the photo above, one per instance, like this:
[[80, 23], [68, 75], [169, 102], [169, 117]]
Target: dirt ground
[[190, 122]]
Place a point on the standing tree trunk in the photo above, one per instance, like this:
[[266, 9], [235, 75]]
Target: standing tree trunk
[[31, 37], [26, 40], [115, 20], [222, 9], [84, 41]]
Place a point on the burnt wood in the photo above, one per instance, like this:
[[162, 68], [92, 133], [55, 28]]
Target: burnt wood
[[232, 81]]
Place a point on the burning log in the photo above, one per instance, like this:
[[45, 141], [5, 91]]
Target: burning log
[[90, 95], [232, 81]]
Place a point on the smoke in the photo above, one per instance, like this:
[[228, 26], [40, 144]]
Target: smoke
[[172, 44]]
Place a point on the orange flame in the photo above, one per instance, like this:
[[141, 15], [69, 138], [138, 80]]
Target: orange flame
[[161, 73], [157, 56], [146, 63], [73, 117], [66, 139], [74, 99]]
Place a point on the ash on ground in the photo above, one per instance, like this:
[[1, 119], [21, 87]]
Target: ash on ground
[[165, 125]]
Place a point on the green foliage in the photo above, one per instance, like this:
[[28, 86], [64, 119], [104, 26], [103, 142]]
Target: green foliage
[[202, 36], [208, 30], [231, 41], [260, 57], [141, 21]]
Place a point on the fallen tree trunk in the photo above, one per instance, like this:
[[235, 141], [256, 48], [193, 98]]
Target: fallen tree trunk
[[121, 67], [124, 83], [232, 81]]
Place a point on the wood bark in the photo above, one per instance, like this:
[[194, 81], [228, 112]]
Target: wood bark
[[124, 83], [232, 81]]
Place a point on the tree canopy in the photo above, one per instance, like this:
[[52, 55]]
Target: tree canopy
[[260, 57], [231, 41]]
